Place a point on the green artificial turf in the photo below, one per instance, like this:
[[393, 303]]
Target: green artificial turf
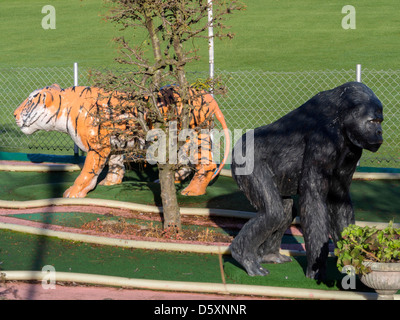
[[374, 200], [65, 219], [40, 158], [285, 275], [20, 251], [138, 186]]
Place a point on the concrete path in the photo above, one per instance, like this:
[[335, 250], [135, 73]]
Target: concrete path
[[34, 291]]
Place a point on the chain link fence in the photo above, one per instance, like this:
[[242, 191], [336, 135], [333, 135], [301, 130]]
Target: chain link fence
[[254, 98], [15, 86]]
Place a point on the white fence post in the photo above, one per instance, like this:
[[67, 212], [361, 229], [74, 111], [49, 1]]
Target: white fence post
[[211, 41], [358, 73], [358, 79], [76, 148]]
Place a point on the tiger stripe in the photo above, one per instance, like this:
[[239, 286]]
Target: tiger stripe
[[76, 111]]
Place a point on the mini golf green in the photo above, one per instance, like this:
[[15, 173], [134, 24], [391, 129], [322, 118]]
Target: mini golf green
[[373, 201], [20, 251], [30, 252]]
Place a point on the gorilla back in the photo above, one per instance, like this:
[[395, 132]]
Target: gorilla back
[[311, 152]]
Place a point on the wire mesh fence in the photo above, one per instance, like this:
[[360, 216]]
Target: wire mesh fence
[[15, 86], [254, 98]]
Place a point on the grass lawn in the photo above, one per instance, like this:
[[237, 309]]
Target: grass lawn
[[80, 34], [308, 35], [270, 35]]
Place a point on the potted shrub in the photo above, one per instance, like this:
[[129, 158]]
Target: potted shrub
[[375, 256]]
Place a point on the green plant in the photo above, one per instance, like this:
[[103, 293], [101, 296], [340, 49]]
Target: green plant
[[360, 244]]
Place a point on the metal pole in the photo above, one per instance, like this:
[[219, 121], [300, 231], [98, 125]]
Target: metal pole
[[210, 40], [211, 56], [358, 79], [76, 148], [358, 73]]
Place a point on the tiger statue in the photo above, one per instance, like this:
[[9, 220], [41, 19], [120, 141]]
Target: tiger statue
[[75, 111]]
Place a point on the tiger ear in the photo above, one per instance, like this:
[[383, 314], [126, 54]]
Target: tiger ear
[[55, 86], [48, 100]]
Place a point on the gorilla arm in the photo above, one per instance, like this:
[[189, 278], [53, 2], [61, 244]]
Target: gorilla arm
[[339, 202], [314, 213]]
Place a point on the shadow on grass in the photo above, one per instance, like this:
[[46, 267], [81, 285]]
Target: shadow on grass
[[40, 260], [290, 274]]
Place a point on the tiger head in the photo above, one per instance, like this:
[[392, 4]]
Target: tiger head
[[39, 110]]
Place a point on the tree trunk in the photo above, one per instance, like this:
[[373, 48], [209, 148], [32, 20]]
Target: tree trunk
[[171, 212]]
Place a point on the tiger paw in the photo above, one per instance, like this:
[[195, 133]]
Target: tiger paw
[[74, 192], [110, 181], [193, 191]]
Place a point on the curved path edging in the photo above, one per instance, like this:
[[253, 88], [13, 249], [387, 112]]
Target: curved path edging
[[219, 288]]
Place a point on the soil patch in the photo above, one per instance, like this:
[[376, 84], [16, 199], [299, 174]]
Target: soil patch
[[149, 226]]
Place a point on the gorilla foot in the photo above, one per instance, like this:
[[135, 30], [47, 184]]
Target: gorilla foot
[[275, 258], [316, 274], [252, 267]]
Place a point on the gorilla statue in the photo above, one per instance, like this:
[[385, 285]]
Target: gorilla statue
[[310, 153]]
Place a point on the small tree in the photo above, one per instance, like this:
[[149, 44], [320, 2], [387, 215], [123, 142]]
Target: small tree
[[171, 27]]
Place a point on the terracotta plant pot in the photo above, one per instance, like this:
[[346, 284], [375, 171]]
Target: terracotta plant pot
[[384, 278]]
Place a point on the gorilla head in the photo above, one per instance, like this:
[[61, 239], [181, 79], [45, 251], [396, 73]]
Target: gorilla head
[[363, 119]]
